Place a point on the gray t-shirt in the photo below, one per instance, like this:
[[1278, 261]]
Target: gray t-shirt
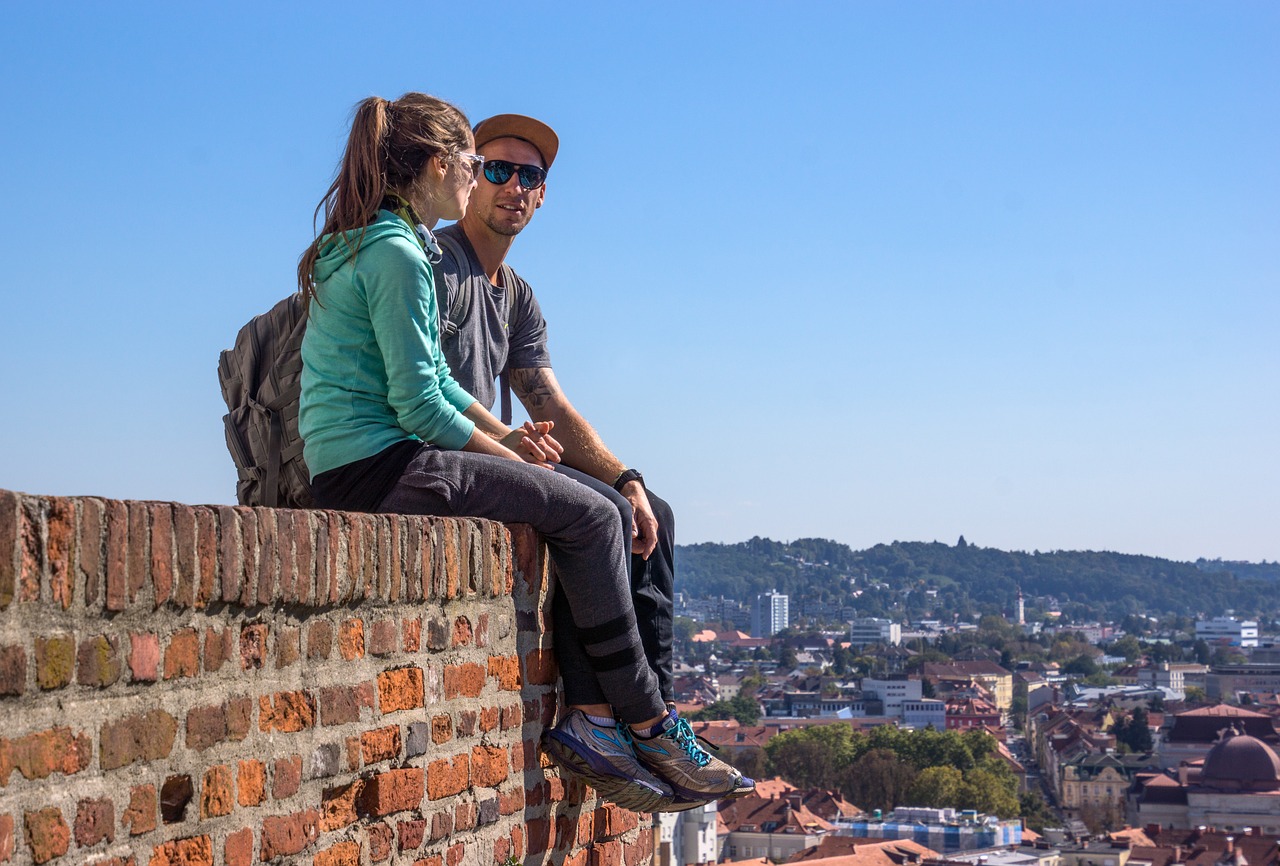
[[478, 344]]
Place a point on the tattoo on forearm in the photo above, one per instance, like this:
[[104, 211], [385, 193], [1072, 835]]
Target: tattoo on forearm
[[532, 387]]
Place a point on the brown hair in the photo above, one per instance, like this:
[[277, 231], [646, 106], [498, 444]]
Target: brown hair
[[389, 144]]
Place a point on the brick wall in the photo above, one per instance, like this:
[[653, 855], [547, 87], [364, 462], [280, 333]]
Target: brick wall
[[226, 686]]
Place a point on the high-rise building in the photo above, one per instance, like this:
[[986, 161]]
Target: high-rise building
[[869, 630], [770, 614]]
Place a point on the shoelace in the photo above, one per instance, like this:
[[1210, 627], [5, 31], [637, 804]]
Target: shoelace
[[686, 739]]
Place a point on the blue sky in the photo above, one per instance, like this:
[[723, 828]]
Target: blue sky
[[867, 271]]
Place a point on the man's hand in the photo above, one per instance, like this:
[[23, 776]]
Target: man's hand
[[534, 443], [644, 526]]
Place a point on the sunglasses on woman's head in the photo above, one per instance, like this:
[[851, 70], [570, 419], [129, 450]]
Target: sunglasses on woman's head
[[499, 171]]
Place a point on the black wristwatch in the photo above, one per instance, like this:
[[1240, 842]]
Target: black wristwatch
[[627, 476]]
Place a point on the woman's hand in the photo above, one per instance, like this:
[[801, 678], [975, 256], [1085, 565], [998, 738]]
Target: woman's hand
[[533, 442]]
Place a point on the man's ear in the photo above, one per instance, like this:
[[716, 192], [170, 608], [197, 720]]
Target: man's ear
[[542, 194]]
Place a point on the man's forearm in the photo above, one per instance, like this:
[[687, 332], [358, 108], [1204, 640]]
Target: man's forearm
[[584, 450]]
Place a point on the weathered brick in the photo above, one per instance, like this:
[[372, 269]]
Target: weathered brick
[[441, 826], [161, 515], [511, 717], [216, 793], [88, 550], [144, 657], [538, 835], [287, 712], [207, 555], [193, 851], [55, 661], [48, 835], [253, 646], [206, 726], [395, 526], [39, 755], [353, 753], [511, 802], [140, 816], [98, 661], [488, 811], [143, 737], [6, 824], [182, 656], [288, 646], [60, 548], [462, 632], [286, 777], [249, 562], [448, 776], [117, 595], [338, 806], [410, 834], [384, 638], [489, 766], [325, 761], [412, 629], [437, 633], [95, 821], [267, 555], [13, 670], [289, 834], [400, 689], [351, 639], [540, 667], [341, 854], [306, 527], [319, 639], [380, 744], [464, 680], [507, 671], [489, 718], [218, 647], [339, 705], [237, 850], [230, 564], [467, 722], [613, 820], [418, 740], [286, 530], [138, 557], [640, 851], [239, 718], [441, 729], [379, 836], [606, 854], [482, 630], [187, 574], [392, 791], [175, 796], [251, 782], [465, 817]]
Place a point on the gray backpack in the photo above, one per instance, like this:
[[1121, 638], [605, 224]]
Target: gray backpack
[[261, 384]]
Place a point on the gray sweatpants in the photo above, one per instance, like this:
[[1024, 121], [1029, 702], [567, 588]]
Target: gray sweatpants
[[587, 543]]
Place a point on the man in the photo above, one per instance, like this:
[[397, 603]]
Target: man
[[491, 323]]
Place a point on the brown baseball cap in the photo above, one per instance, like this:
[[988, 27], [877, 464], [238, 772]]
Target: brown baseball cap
[[519, 126]]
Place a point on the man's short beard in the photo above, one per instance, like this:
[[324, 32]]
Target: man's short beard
[[506, 230]]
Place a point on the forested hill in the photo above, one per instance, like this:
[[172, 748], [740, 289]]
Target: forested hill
[[929, 578]]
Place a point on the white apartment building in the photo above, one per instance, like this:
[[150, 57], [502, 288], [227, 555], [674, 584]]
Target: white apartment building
[[893, 693], [869, 630], [1241, 633], [770, 614]]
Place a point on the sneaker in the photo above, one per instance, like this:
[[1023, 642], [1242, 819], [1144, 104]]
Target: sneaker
[[606, 761], [694, 774]]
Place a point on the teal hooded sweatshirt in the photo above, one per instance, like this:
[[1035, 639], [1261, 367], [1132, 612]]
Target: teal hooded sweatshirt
[[372, 370]]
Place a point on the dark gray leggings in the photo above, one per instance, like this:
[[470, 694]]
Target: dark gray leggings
[[587, 543]]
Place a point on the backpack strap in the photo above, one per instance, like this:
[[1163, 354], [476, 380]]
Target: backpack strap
[[461, 303], [504, 375]]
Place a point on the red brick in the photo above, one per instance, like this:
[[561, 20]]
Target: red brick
[[194, 851], [95, 821], [55, 661], [206, 726], [48, 835], [10, 541], [411, 833], [351, 639], [396, 556], [392, 791], [380, 744], [385, 638], [338, 806], [89, 550], [286, 777], [539, 835], [253, 646], [453, 856], [304, 541], [60, 546], [117, 595], [239, 718], [13, 670], [161, 514], [507, 670], [613, 820], [488, 766], [268, 555], [465, 816], [606, 854], [640, 851], [342, 854], [287, 528], [287, 712], [501, 850], [466, 680], [461, 632], [182, 656], [6, 830], [218, 647], [142, 737], [380, 837], [540, 667], [251, 782], [249, 563], [144, 657], [184, 542], [289, 834], [340, 705], [447, 777], [237, 850], [437, 633], [441, 729], [511, 717], [412, 635], [467, 722], [288, 646], [98, 661], [511, 802], [400, 689], [139, 562], [39, 755], [353, 754], [433, 860], [217, 793], [319, 639], [207, 555], [489, 718], [140, 816], [230, 566], [441, 826], [482, 630]]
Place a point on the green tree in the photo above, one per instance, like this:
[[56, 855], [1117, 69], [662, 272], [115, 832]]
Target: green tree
[[817, 756], [937, 788], [878, 780], [985, 791]]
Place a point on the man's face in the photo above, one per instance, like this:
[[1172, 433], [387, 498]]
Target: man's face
[[506, 209]]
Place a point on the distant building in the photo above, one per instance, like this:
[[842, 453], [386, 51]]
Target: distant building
[[869, 630], [688, 837], [1241, 633], [892, 693], [923, 713], [1236, 786], [943, 830], [989, 675], [770, 614], [1194, 733]]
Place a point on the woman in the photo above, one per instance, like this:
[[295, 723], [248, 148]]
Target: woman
[[386, 428]]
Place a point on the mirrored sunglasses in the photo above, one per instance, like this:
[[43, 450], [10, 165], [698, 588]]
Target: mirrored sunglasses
[[499, 171]]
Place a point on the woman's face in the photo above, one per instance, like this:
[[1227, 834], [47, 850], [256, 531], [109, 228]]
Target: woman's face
[[459, 181]]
